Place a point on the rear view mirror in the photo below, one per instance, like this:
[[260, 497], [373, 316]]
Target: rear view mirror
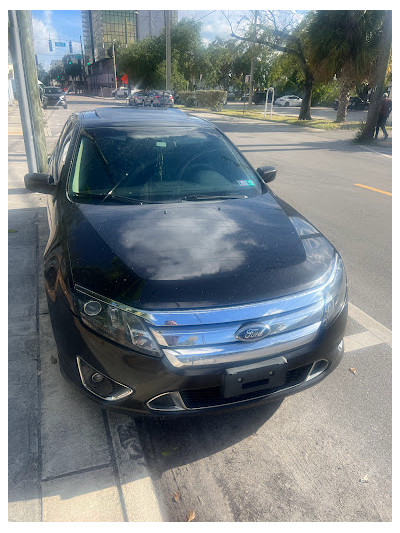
[[43, 183], [267, 174]]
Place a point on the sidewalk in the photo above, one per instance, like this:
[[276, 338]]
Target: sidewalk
[[69, 460]]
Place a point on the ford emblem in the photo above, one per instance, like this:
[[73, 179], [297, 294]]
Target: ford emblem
[[252, 332]]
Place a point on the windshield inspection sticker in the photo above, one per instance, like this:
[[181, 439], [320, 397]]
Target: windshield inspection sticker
[[246, 183]]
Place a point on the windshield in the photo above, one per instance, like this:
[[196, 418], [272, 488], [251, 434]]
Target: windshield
[[161, 164], [53, 90]]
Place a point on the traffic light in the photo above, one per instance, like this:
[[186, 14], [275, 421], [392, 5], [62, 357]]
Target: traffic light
[[70, 47], [50, 45], [69, 62]]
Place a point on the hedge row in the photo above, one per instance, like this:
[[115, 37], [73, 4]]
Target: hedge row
[[213, 100]]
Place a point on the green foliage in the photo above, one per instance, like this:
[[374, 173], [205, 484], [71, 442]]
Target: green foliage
[[187, 98], [286, 75], [344, 43], [325, 94], [43, 75], [213, 100]]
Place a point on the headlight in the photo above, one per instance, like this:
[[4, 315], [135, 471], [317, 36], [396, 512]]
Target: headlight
[[336, 292], [115, 321]]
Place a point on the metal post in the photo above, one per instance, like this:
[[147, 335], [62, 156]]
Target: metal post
[[22, 50], [168, 49], [266, 101], [115, 69]]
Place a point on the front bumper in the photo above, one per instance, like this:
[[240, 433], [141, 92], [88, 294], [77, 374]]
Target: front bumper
[[54, 102], [159, 388]]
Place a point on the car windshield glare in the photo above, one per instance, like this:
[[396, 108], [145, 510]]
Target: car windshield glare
[[159, 165]]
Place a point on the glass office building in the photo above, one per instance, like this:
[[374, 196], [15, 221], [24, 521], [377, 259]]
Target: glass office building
[[100, 28]]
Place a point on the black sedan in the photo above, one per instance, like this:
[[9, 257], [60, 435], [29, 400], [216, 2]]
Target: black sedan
[[53, 96], [355, 104], [177, 281]]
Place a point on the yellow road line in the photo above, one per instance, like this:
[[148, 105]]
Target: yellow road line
[[373, 189]]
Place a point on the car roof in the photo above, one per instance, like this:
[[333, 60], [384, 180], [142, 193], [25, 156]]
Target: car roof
[[125, 116]]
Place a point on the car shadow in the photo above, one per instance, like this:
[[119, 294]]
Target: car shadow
[[172, 442]]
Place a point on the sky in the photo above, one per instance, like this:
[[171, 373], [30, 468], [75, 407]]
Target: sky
[[67, 25]]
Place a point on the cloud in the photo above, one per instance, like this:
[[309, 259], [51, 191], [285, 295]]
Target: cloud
[[42, 29]]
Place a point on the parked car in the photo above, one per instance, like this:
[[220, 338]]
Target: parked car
[[159, 98], [52, 96], [355, 103], [287, 101], [177, 281], [137, 98], [121, 92], [258, 97]]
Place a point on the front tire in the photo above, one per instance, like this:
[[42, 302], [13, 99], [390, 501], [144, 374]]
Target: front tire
[[286, 104]]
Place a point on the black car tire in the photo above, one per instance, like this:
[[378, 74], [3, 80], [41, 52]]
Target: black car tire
[[286, 104]]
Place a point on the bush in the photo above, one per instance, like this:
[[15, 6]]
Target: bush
[[213, 100], [187, 98]]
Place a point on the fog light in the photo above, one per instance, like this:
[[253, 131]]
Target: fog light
[[100, 385]]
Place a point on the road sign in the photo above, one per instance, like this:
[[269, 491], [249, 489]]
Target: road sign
[[60, 44]]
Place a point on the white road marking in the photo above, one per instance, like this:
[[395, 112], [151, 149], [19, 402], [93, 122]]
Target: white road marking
[[374, 327], [359, 341], [375, 151]]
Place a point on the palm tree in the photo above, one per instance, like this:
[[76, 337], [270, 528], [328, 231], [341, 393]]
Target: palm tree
[[345, 44]]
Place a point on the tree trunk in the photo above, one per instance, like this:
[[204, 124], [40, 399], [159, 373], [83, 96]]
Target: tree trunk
[[367, 131], [345, 87], [305, 109]]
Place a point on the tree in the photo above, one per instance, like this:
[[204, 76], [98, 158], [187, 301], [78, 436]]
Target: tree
[[344, 44], [381, 71], [43, 75], [282, 33], [142, 61], [57, 74]]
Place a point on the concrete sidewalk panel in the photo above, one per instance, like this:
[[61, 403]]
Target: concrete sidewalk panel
[[87, 497], [23, 421], [73, 433]]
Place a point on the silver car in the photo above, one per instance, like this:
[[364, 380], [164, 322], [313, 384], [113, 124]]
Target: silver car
[[137, 98], [159, 99]]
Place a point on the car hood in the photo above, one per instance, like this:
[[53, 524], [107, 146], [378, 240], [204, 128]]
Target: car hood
[[193, 255]]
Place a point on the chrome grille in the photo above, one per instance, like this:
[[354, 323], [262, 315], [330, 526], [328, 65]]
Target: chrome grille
[[203, 337]]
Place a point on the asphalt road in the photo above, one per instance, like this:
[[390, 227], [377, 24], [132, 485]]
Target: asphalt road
[[323, 454]]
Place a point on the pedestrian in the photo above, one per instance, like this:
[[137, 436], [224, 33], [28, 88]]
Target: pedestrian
[[384, 112]]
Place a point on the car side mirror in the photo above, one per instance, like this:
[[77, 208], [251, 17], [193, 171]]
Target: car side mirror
[[43, 183], [267, 174]]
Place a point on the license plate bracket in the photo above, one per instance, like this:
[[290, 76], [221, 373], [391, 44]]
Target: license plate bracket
[[251, 378]]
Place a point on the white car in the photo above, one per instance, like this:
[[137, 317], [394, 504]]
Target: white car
[[287, 101]]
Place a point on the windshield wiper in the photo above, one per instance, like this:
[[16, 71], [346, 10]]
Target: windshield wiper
[[195, 197], [123, 199]]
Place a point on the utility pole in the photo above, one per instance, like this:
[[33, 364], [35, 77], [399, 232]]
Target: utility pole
[[22, 51], [115, 68], [83, 66], [252, 60], [167, 15]]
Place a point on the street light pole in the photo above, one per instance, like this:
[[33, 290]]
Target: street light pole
[[21, 47], [168, 49], [115, 69]]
